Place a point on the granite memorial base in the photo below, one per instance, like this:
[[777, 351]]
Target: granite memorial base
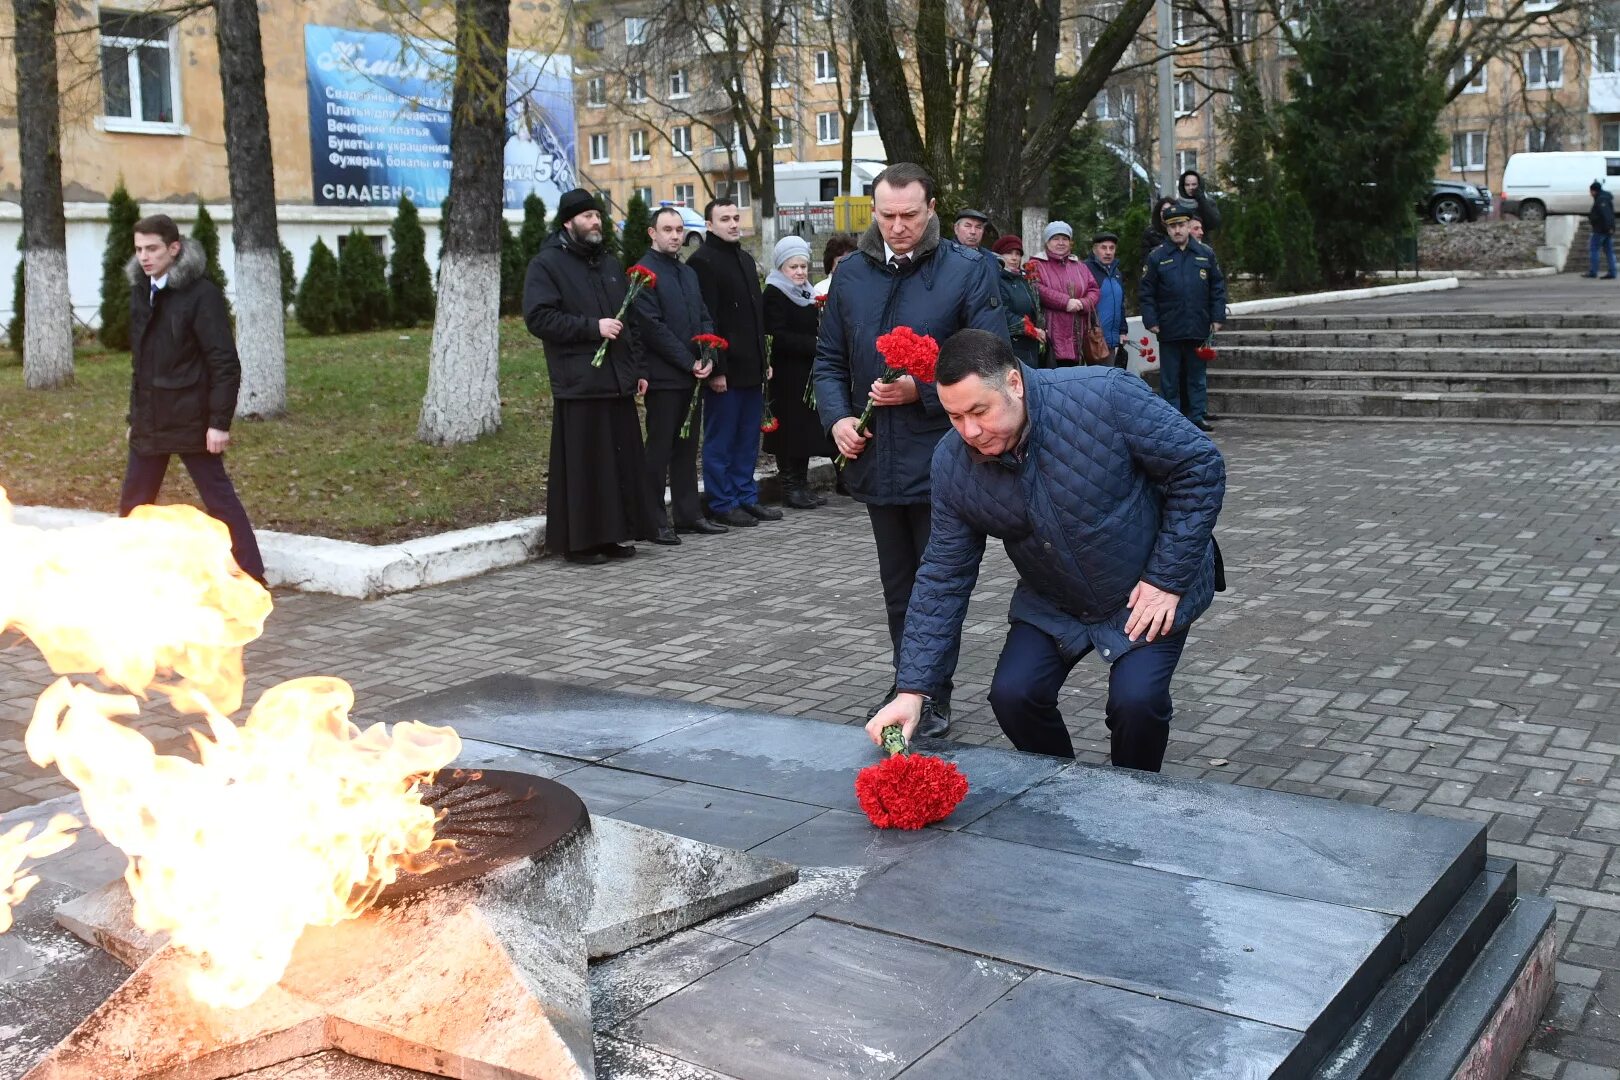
[[1066, 921]]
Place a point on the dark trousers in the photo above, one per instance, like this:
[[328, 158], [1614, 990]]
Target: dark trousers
[[144, 476], [731, 447], [1600, 244], [794, 470], [1024, 696], [901, 533], [671, 459], [1183, 378]]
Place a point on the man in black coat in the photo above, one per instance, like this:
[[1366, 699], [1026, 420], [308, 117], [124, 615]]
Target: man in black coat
[[1601, 218], [734, 400], [183, 385], [667, 318], [596, 490], [902, 274]]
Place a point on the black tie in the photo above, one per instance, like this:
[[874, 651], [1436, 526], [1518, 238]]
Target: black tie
[[151, 299], [900, 262]]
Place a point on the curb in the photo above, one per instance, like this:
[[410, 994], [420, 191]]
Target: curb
[[320, 564], [1279, 303], [1472, 275]]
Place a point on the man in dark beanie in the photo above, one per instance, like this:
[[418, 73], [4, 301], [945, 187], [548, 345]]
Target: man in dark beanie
[[596, 493]]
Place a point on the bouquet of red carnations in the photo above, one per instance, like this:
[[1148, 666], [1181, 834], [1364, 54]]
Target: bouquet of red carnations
[[1206, 351], [709, 346], [768, 421], [639, 278], [908, 791], [904, 352]]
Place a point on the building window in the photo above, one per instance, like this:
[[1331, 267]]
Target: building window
[[1540, 5], [821, 9], [1247, 23], [138, 74], [865, 122], [829, 188], [599, 149], [1606, 52], [1467, 150], [1542, 139], [1476, 85], [1186, 160], [635, 31], [595, 35], [1611, 137], [826, 67], [635, 88], [1092, 22], [1186, 96], [1468, 9], [680, 138], [596, 92], [1544, 69], [685, 195], [738, 190], [644, 194], [638, 145], [780, 69], [1181, 25], [986, 49], [784, 132], [1116, 104], [679, 86], [827, 128]]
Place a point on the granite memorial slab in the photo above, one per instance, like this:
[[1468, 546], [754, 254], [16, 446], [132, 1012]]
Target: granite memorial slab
[[1280, 960], [623, 985], [1057, 1028], [486, 755], [717, 815], [1407, 865], [822, 1000], [606, 791]]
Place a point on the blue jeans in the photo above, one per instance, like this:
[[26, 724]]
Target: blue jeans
[[731, 447], [1183, 378], [1603, 242], [1024, 694], [144, 476]]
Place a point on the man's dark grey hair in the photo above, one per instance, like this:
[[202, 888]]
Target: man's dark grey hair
[[662, 210], [903, 174], [975, 352]]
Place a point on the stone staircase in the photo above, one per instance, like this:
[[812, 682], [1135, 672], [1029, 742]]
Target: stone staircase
[[1540, 368]]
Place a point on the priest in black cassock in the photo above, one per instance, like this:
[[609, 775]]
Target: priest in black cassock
[[596, 498]]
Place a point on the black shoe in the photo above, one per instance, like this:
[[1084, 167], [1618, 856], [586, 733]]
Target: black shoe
[[736, 518], [1203, 425], [618, 551], [1608, 277], [821, 500], [935, 722], [763, 513], [667, 537], [1589, 275], [1211, 417], [586, 558], [799, 499], [703, 527]]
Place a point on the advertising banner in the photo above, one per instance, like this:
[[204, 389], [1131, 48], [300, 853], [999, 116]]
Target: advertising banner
[[379, 120]]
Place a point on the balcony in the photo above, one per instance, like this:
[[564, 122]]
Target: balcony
[[1603, 92], [722, 159]]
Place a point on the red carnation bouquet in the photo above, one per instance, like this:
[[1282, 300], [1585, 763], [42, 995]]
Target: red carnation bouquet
[[639, 278], [904, 352], [1032, 271], [768, 421], [821, 301], [1206, 351], [1030, 330], [709, 346], [908, 791]]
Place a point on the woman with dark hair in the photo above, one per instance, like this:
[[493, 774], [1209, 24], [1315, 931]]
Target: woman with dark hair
[[1020, 300], [838, 245], [1192, 187]]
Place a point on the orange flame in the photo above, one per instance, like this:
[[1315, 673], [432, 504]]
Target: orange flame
[[16, 846], [295, 818]]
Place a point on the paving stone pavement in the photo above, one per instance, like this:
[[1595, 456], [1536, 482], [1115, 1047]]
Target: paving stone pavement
[[1421, 619]]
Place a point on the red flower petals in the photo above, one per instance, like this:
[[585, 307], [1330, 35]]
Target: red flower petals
[[1029, 327], [713, 341], [908, 791], [909, 353], [646, 277]]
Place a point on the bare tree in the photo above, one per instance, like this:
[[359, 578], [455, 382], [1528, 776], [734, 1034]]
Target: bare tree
[[463, 399], [48, 308], [261, 317]]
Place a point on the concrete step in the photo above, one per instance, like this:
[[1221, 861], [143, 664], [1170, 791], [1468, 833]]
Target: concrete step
[[1518, 338], [1421, 382], [1295, 358], [1440, 318], [1391, 404]]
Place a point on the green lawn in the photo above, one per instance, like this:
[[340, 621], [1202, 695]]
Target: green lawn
[[344, 461]]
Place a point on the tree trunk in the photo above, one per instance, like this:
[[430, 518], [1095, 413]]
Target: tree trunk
[[886, 81], [934, 76], [1037, 193], [463, 398], [1006, 99], [261, 317], [48, 307]]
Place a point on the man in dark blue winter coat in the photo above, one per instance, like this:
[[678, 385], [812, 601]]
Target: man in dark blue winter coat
[[1183, 298], [902, 274], [1601, 218], [1105, 499]]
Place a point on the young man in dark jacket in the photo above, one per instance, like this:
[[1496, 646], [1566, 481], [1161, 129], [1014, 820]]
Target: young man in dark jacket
[[667, 318], [596, 493], [734, 399], [1183, 299], [1105, 499], [183, 386], [1601, 218], [902, 274]]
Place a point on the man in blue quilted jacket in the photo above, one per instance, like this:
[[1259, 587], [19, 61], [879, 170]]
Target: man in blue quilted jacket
[[1105, 498], [901, 274]]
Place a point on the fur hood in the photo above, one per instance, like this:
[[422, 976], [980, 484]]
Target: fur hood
[[872, 241], [191, 265]]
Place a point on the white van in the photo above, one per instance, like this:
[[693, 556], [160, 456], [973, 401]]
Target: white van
[[1535, 185]]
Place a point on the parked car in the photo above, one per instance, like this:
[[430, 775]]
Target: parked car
[[1451, 201], [1556, 182]]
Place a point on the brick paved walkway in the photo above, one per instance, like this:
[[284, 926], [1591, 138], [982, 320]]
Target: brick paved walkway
[[1425, 621]]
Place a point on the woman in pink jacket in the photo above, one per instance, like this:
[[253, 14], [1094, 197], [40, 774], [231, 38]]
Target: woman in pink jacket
[[1068, 293]]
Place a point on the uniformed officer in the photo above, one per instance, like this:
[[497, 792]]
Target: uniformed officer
[[1183, 297]]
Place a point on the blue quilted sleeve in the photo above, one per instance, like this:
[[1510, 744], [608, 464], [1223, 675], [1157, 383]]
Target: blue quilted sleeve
[[1187, 468], [831, 371], [939, 598]]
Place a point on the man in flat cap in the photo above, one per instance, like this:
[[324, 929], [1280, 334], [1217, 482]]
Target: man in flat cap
[[1103, 262], [969, 227]]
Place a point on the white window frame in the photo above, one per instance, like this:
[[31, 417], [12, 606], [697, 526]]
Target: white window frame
[[1609, 137], [646, 194], [784, 132], [685, 195], [680, 140], [781, 66], [865, 120], [135, 124], [596, 92], [1471, 140], [680, 84], [606, 154], [1540, 5], [635, 30], [826, 66], [829, 128], [1544, 54], [1477, 84], [738, 191], [986, 48], [1180, 25], [596, 35], [1532, 145], [821, 9], [1185, 95], [1186, 159], [1247, 24], [639, 135], [1467, 9], [1606, 52], [635, 88]]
